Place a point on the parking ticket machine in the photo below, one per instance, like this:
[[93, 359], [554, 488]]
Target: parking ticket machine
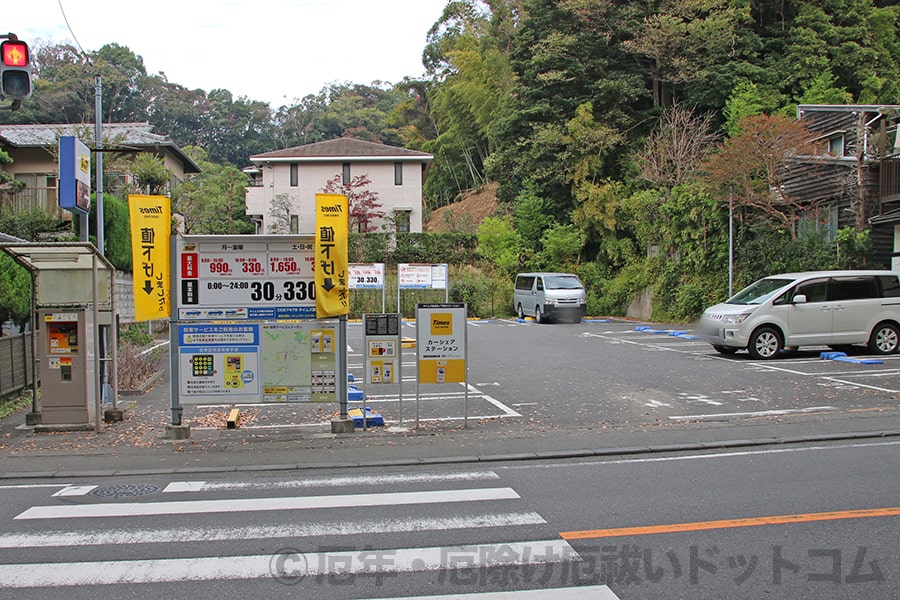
[[68, 387]]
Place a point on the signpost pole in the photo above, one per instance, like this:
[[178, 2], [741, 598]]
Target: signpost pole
[[340, 351]]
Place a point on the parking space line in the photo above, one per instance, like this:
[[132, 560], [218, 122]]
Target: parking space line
[[761, 413], [862, 385]]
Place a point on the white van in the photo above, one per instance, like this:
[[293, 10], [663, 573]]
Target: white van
[[817, 308], [550, 297]]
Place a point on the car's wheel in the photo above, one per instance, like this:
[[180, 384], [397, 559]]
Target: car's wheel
[[520, 312], [538, 317], [885, 339], [765, 343], [725, 349]]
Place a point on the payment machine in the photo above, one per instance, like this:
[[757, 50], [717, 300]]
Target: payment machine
[[68, 385]]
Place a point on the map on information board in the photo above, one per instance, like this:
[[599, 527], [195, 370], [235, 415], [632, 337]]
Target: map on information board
[[286, 362]]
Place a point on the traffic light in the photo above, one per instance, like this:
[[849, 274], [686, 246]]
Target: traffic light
[[15, 70]]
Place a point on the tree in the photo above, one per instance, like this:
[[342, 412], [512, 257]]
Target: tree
[[676, 148], [150, 174], [500, 244], [679, 38], [751, 168], [363, 203], [282, 209], [213, 201], [15, 282]]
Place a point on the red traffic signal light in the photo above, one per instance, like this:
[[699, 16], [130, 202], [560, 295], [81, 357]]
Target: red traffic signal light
[[15, 70]]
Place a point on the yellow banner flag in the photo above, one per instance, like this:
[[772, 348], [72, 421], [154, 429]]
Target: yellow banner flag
[[151, 271], [331, 266]]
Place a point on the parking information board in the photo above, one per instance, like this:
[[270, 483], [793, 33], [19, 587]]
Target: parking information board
[[246, 328], [422, 276], [245, 277], [383, 347], [366, 276]]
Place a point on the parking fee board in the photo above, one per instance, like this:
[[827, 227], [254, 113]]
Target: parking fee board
[[262, 277], [246, 326]]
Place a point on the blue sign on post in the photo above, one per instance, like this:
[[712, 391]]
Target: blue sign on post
[[74, 175]]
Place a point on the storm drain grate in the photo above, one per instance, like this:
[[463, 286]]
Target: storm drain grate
[[125, 491]]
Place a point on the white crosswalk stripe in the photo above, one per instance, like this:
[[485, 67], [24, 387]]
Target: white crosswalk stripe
[[202, 545]]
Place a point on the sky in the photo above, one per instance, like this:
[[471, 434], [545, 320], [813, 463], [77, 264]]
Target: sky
[[274, 51]]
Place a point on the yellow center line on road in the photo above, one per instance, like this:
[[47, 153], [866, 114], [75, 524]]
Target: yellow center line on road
[[730, 523]]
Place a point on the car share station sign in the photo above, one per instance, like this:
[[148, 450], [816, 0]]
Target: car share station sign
[[441, 347], [245, 327], [245, 277]]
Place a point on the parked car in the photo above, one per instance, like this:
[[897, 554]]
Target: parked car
[[817, 308], [550, 297]]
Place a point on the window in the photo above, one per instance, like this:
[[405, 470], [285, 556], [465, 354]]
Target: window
[[853, 288], [295, 223], [815, 290], [398, 173], [346, 174], [401, 220], [524, 282], [819, 222], [836, 145], [890, 286], [295, 175]]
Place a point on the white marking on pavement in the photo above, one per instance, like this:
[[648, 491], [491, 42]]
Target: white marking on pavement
[[31, 486], [738, 454], [862, 385], [133, 509], [587, 592], [386, 479], [286, 566], [75, 490], [761, 413], [283, 531]]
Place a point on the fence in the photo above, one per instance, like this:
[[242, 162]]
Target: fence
[[16, 372]]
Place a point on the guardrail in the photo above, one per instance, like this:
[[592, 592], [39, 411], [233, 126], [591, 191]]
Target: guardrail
[[16, 372]]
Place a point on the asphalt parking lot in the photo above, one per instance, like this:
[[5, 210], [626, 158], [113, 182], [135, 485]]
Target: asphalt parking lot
[[604, 373]]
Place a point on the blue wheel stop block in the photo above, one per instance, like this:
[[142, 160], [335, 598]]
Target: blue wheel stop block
[[372, 418]]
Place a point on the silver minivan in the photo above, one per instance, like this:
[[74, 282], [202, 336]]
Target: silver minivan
[[816, 308], [550, 297]]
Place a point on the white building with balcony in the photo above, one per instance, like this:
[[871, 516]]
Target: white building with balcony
[[287, 181]]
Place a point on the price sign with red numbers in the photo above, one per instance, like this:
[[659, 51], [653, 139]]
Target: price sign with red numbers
[[245, 277]]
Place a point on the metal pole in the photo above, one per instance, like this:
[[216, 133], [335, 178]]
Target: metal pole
[[730, 244], [341, 366], [174, 374], [98, 144], [35, 401], [98, 380]]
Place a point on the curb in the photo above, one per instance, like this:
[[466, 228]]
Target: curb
[[510, 457]]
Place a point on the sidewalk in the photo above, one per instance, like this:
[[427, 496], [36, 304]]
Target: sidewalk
[[298, 436]]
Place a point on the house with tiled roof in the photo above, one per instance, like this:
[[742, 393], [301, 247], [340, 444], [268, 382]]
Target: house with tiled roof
[[35, 149], [289, 179]]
